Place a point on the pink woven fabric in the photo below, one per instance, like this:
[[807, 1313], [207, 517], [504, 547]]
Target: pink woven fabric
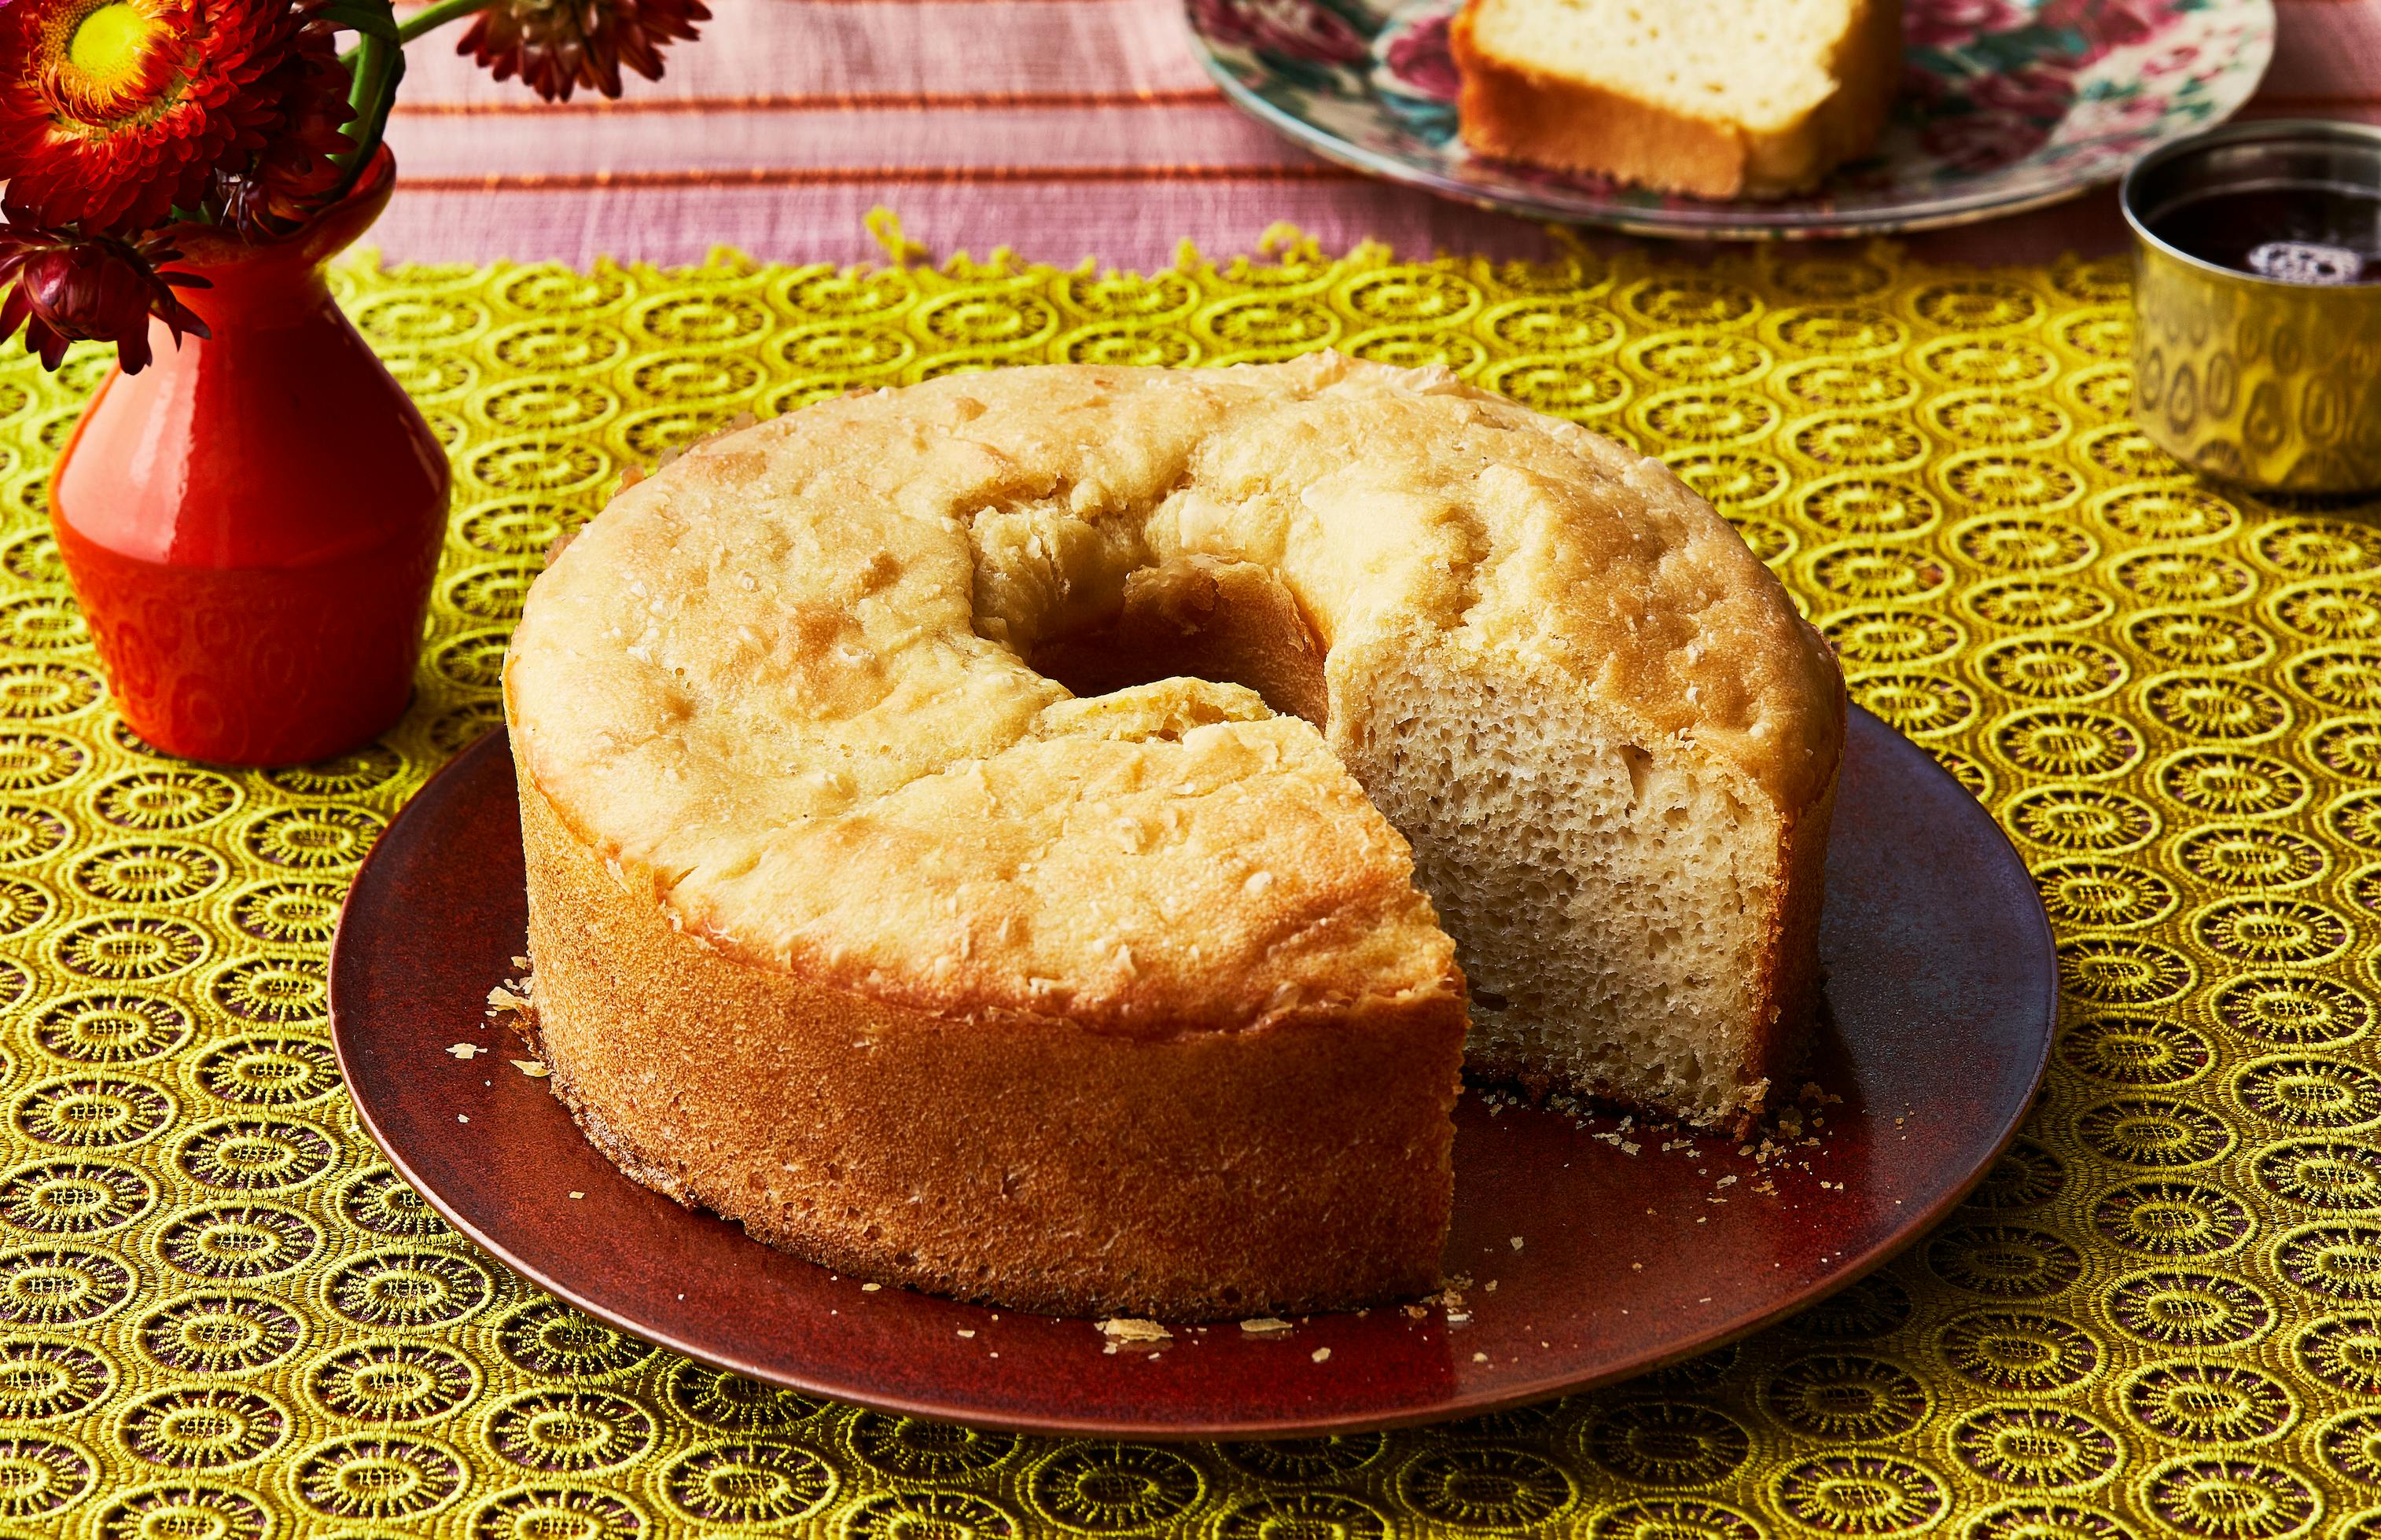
[[1064, 128]]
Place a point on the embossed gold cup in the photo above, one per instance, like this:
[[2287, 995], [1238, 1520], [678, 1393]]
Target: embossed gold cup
[[2247, 377]]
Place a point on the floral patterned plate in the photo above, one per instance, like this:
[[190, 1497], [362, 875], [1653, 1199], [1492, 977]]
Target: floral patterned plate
[[2006, 104]]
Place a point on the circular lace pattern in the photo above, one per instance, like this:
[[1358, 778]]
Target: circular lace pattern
[[2327, 612], [1485, 1486], [203, 1427], [1904, 636], [748, 1481], [92, 1111], [2158, 1133], [2027, 1176], [2047, 1519], [75, 1197], [2067, 743], [2230, 1495], [238, 1241], [2105, 894], [911, 1448], [2290, 1009], [122, 949], [1666, 1443], [2024, 544], [378, 1202], [392, 1382], [551, 1340], [152, 872], [61, 1286], [2037, 603], [2019, 1352], [404, 1290], [2216, 708], [533, 1512], [1730, 479], [2250, 855], [2217, 782], [255, 1155], [2123, 971], [2189, 1309], [2171, 1219], [570, 1430], [2005, 1261], [2136, 1051], [2180, 576], [2350, 1446], [2081, 818], [162, 801], [42, 1475], [2299, 1091], [1861, 1494], [220, 1332], [384, 1476], [2332, 1176], [2210, 1403], [2039, 1448], [45, 1379], [269, 1070], [1846, 1398]]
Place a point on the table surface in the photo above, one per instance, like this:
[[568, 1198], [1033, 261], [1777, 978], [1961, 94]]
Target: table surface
[[223, 1315], [1064, 128], [221, 1312]]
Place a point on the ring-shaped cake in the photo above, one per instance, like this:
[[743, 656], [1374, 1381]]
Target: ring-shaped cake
[[1040, 835]]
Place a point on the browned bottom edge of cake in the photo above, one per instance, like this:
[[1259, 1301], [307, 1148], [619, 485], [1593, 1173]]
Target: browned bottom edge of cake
[[866, 1266]]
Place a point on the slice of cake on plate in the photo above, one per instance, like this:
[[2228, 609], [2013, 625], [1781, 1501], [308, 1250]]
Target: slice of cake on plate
[[1713, 98]]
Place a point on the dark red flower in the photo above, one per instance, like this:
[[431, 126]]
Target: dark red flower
[[556, 47], [114, 112], [291, 175], [64, 288]]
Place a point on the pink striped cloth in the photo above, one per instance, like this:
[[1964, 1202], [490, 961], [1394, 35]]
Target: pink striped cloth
[[1063, 128]]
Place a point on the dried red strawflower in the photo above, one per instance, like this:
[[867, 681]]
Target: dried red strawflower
[[291, 177], [556, 47], [114, 112], [64, 288]]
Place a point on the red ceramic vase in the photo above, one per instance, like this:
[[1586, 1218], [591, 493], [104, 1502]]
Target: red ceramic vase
[[252, 522]]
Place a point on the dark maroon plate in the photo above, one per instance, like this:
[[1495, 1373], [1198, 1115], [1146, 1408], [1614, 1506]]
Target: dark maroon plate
[[1942, 993]]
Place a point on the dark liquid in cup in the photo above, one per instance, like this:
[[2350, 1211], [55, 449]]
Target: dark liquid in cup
[[2290, 235]]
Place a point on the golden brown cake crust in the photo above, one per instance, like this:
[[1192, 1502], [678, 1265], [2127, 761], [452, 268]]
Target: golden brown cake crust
[[1510, 112], [1301, 1166], [855, 926]]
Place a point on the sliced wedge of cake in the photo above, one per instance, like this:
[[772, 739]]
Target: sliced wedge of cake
[[1715, 98]]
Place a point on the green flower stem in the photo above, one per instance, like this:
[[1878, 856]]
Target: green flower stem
[[438, 16], [376, 64], [369, 19], [375, 67]]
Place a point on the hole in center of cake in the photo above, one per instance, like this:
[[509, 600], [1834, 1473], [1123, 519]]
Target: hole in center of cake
[[1235, 623]]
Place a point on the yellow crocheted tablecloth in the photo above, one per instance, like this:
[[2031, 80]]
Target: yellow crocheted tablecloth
[[223, 1318]]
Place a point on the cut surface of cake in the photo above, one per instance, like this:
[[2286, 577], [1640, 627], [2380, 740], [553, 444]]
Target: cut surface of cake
[[1039, 835], [1715, 98]]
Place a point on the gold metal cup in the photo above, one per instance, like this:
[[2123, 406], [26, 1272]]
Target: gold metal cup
[[2244, 377]]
